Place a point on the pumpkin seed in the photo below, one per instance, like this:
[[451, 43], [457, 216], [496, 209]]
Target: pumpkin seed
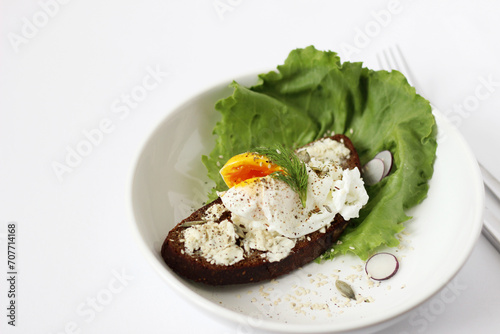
[[304, 156], [345, 289], [193, 222], [239, 231]]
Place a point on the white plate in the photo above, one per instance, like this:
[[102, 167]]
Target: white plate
[[169, 181]]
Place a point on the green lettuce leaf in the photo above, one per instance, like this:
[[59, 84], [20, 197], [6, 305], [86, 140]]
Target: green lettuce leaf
[[313, 94]]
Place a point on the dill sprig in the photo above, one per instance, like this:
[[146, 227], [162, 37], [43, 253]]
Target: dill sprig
[[294, 171]]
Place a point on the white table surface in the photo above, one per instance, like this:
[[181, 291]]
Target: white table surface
[[66, 67]]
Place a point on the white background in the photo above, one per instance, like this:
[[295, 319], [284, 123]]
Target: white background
[[66, 67]]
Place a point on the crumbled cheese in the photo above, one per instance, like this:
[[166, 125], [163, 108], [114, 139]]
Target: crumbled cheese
[[214, 212], [215, 242], [275, 245], [328, 149]]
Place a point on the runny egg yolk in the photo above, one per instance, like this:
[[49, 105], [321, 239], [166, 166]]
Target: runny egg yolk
[[246, 166]]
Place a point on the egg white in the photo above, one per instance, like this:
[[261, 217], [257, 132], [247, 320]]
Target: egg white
[[272, 203]]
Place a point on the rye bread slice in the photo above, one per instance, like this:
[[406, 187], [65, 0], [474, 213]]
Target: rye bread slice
[[253, 268]]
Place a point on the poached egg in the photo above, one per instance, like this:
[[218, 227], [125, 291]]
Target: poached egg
[[259, 198]]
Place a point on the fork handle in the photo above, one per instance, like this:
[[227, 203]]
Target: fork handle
[[490, 181], [491, 228]]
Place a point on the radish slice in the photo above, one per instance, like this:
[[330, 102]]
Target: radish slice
[[373, 171], [386, 157], [382, 266]]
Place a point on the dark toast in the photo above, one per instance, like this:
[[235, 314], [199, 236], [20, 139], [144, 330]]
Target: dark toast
[[253, 267]]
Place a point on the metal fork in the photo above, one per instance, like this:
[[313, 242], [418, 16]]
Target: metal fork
[[393, 58]]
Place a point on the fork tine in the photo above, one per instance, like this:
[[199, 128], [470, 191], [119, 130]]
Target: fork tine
[[380, 61], [393, 59], [387, 60], [394, 64], [404, 67]]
